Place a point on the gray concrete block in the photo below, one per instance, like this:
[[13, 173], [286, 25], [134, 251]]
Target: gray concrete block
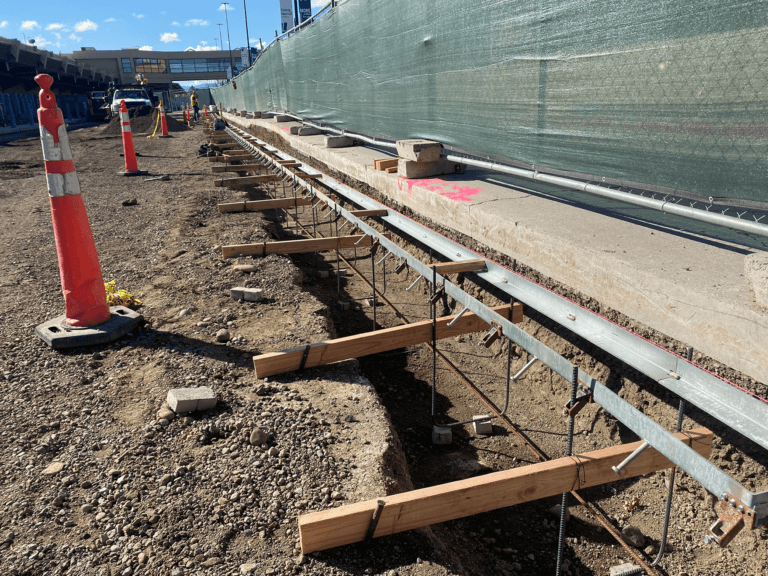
[[294, 130], [267, 115], [481, 425], [756, 271], [243, 114], [323, 273], [308, 131], [191, 399], [256, 114], [238, 293], [283, 118], [338, 141], [253, 294], [343, 305], [411, 169], [419, 150], [441, 435]]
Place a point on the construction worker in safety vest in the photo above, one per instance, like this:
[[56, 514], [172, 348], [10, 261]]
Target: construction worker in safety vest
[[195, 106]]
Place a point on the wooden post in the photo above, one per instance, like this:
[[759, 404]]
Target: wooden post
[[340, 349], [348, 524]]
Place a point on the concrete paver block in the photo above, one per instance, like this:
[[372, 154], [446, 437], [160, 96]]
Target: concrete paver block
[[294, 130], [419, 150], [282, 118], [756, 270], [338, 141], [308, 131], [243, 113], [411, 169], [191, 399], [481, 425], [256, 114], [238, 293], [343, 305], [253, 294], [267, 115]]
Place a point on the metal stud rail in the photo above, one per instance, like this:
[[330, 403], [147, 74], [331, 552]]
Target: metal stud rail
[[733, 407]]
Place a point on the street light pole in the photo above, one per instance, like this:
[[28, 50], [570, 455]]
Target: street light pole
[[221, 42], [229, 43], [247, 39]]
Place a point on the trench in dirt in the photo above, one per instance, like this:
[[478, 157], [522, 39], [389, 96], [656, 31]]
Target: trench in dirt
[[499, 540]]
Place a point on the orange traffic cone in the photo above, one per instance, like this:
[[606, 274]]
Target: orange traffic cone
[[131, 167], [163, 122], [85, 299]]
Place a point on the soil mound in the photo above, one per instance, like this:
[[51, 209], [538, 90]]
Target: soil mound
[[143, 120]]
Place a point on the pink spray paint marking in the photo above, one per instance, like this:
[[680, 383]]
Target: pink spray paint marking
[[457, 194], [285, 129]]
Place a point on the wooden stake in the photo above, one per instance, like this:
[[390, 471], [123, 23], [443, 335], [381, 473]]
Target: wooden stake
[[348, 524], [383, 340]]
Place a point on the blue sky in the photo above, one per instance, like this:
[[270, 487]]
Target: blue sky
[[66, 25]]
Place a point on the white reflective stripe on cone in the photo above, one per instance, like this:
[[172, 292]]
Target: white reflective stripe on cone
[[124, 117], [126, 127], [63, 184]]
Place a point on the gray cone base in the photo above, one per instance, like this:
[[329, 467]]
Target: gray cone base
[[58, 335]]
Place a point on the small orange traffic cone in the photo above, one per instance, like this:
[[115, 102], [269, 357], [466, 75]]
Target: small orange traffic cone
[[131, 167], [163, 122]]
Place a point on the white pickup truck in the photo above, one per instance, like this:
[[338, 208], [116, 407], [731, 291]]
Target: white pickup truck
[[134, 97]]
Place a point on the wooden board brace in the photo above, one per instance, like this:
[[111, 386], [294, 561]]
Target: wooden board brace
[[477, 265], [295, 246], [237, 168], [384, 163], [323, 353], [227, 146], [247, 180], [348, 524], [288, 163], [371, 212], [259, 205]]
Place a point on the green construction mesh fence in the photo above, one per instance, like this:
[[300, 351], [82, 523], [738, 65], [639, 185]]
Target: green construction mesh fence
[[668, 93]]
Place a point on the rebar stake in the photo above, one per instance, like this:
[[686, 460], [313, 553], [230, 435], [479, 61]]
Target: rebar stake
[[568, 449]]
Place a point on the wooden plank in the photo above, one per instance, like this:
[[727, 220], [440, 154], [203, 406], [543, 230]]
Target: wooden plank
[[296, 246], [323, 353], [384, 163], [288, 163], [246, 180], [306, 176], [259, 205], [477, 265], [372, 212], [237, 168], [348, 524], [227, 146], [391, 170]]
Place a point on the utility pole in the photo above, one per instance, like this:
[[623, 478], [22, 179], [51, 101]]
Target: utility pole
[[229, 43], [221, 42], [247, 39], [296, 12]]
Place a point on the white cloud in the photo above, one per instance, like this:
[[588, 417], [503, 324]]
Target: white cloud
[[319, 3], [54, 26], [85, 25], [29, 25], [174, 23], [146, 48], [75, 38], [200, 48], [226, 7], [41, 42], [4, 23], [169, 37], [197, 22], [109, 20], [256, 44], [137, 15]]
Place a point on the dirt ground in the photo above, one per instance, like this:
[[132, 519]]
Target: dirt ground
[[196, 496]]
